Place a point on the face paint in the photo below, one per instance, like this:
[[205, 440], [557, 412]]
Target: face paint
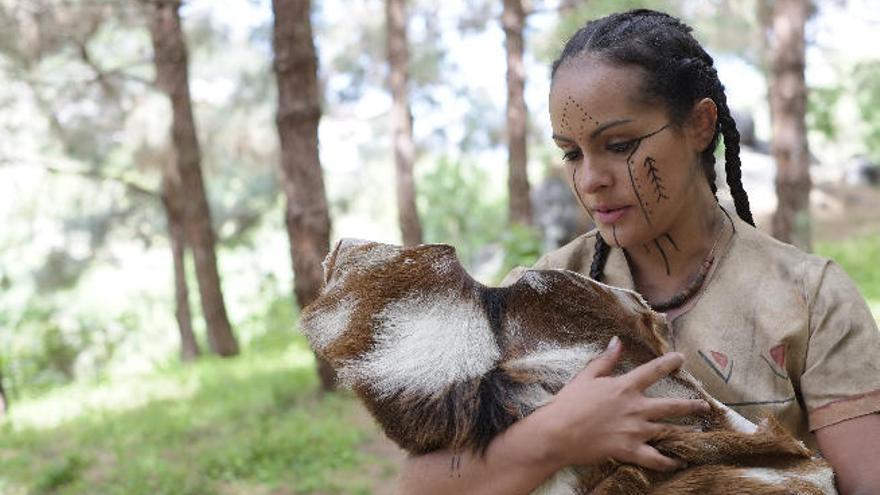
[[654, 176], [635, 184]]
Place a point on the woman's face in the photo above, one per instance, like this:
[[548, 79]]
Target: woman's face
[[633, 170]]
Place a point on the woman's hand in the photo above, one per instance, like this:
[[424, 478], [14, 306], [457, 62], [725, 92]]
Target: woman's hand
[[597, 416]]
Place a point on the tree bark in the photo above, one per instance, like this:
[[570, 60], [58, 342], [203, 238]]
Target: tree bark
[[519, 204], [172, 77], [171, 199], [401, 121], [4, 402], [788, 101], [299, 112]]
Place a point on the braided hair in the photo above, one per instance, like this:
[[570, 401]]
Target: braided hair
[[678, 72]]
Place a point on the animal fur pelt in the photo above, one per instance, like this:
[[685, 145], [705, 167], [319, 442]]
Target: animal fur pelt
[[443, 362]]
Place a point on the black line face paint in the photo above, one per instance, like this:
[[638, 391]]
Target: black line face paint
[[663, 255], [614, 234], [654, 176], [668, 238], [635, 183]]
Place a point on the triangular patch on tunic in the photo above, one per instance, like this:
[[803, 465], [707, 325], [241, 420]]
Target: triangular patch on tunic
[[778, 355], [777, 360], [719, 358], [720, 363]]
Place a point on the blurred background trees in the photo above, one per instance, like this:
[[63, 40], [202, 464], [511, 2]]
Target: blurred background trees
[[253, 134]]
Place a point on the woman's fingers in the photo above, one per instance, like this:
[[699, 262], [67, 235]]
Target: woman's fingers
[[673, 408], [605, 363], [649, 373], [647, 456]]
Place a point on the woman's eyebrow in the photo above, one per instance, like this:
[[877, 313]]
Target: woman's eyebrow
[[607, 125], [557, 137]]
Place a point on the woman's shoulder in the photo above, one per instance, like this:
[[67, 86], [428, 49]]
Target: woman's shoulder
[[573, 256], [757, 252]]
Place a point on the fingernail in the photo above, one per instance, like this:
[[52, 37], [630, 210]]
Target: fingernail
[[613, 343], [705, 406]]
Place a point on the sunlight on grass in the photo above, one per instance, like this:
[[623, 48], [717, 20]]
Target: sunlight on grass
[[75, 401], [253, 424]]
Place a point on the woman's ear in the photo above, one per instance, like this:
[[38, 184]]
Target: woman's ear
[[704, 119]]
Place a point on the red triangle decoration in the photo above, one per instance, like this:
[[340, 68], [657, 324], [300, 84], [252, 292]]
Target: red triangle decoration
[[719, 358], [778, 355]]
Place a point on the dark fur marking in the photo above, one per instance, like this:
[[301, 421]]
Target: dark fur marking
[[494, 303], [494, 413]]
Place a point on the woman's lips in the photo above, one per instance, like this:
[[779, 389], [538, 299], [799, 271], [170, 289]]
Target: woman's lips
[[610, 215]]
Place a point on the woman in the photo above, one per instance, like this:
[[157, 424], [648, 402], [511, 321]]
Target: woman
[[637, 109]]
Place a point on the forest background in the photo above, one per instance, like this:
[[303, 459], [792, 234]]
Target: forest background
[[151, 270]]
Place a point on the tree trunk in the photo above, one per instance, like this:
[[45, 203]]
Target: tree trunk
[[171, 199], [299, 112], [788, 99], [171, 76], [519, 204], [401, 121], [4, 402]]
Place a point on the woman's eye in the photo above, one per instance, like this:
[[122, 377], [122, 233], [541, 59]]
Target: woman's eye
[[571, 156], [622, 147]]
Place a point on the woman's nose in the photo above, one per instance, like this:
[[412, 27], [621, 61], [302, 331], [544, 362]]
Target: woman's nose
[[590, 176]]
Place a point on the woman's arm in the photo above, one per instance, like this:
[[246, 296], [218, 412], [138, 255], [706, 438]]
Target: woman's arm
[[853, 449], [594, 417]]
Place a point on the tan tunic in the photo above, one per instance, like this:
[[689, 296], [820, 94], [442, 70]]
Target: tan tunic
[[773, 330]]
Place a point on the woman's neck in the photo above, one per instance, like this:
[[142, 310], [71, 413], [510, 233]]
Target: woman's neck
[[666, 265]]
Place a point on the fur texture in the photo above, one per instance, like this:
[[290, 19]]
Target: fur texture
[[443, 362]]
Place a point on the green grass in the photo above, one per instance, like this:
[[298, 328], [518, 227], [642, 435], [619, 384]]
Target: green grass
[[860, 257], [255, 424]]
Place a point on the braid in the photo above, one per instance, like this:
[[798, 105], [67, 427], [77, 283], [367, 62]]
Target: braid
[[732, 164], [600, 256]]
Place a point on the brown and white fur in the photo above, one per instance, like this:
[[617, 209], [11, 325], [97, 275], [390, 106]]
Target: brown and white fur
[[443, 362]]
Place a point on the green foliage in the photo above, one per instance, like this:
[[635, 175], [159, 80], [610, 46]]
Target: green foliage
[[457, 206], [59, 473], [251, 425], [821, 105], [522, 247], [867, 80], [858, 256]]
